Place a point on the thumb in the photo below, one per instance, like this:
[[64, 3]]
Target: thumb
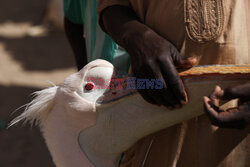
[[179, 61], [216, 95], [186, 62]]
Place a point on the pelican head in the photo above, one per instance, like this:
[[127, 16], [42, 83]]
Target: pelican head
[[62, 112]]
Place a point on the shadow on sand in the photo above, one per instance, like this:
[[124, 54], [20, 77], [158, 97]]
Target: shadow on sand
[[20, 146]]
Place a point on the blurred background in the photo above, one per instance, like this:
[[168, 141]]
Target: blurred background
[[33, 50]]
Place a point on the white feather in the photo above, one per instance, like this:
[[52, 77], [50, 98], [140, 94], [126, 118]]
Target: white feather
[[37, 110]]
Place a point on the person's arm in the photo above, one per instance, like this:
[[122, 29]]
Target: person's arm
[[75, 35], [152, 56], [238, 117]]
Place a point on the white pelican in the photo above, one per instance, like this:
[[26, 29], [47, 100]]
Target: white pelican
[[85, 125]]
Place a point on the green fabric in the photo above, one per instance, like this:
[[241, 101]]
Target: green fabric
[[109, 48], [3, 125], [99, 45], [73, 10]]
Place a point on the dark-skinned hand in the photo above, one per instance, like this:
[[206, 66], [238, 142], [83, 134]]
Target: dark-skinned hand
[[237, 117], [152, 56]]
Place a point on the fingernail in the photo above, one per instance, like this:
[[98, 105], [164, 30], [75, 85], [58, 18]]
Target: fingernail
[[183, 102], [192, 60]]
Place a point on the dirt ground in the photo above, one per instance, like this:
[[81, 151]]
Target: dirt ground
[[30, 55]]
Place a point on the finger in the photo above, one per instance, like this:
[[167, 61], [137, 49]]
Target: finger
[[179, 61], [240, 91], [229, 119], [209, 110], [216, 95], [147, 97], [165, 96], [245, 108], [143, 92], [169, 96], [157, 96], [232, 118], [173, 80], [240, 112], [186, 62], [217, 115], [153, 93]]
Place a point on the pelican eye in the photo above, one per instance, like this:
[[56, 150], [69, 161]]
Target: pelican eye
[[89, 86]]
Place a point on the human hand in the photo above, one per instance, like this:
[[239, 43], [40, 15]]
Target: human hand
[[152, 56], [237, 117]]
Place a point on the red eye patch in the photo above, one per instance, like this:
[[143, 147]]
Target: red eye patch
[[89, 86]]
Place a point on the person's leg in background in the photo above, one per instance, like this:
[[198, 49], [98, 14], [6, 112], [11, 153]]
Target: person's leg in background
[[75, 35]]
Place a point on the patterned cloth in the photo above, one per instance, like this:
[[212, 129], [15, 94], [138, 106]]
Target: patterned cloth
[[215, 32]]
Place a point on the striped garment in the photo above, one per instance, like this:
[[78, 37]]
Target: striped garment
[[99, 45]]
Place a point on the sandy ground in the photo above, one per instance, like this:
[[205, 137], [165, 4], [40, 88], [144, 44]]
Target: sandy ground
[[30, 55]]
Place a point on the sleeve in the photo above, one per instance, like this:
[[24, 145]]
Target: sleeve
[[102, 4]]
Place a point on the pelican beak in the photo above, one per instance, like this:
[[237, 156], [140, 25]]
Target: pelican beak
[[118, 88]]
